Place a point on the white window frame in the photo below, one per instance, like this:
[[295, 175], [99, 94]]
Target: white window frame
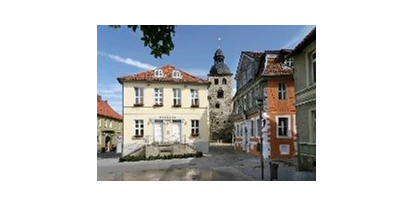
[[282, 91], [158, 73], [139, 95], [99, 122], [289, 62], [289, 131], [106, 123], [258, 126], [312, 132], [139, 125], [110, 124], [177, 74], [281, 146], [195, 127], [294, 124], [194, 97], [176, 96], [158, 96]]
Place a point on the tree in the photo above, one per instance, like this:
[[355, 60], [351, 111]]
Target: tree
[[156, 37]]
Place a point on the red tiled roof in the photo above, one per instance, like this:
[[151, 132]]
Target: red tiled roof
[[305, 42], [275, 67], [105, 110], [168, 70]]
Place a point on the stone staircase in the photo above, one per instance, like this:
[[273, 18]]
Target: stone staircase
[[168, 149]]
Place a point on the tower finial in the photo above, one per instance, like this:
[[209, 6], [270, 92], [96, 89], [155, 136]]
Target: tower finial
[[218, 42]]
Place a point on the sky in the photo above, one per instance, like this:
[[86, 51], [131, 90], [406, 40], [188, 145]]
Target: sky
[[121, 51]]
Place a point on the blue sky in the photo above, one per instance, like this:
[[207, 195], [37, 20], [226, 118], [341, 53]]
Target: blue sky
[[121, 52]]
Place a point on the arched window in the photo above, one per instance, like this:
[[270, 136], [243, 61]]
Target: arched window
[[224, 81], [159, 73], [217, 105], [176, 74]]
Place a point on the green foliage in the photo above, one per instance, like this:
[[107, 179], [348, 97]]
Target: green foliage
[[156, 37], [131, 158]]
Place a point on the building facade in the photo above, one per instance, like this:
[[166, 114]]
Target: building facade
[[165, 105], [268, 76], [304, 55], [220, 98], [109, 126]]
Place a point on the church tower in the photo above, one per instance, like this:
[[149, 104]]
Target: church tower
[[220, 98]]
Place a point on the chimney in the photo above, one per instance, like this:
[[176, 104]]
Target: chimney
[[106, 101], [99, 98]]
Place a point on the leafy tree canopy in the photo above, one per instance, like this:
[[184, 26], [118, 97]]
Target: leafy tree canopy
[[156, 37]]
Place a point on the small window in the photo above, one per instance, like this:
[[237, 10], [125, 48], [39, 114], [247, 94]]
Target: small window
[[224, 122], [158, 73], [194, 97], [176, 74], [110, 124], [283, 126], [139, 95], [289, 62], [216, 81], [176, 97], [284, 149], [195, 127], [224, 81], [158, 96], [217, 123], [220, 93], [217, 105]]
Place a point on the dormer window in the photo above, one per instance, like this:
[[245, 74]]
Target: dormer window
[[158, 73], [176, 74]]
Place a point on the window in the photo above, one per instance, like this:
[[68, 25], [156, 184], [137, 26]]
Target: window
[[244, 103], [217, 105], [313, 58], [100, 122], [220, 93], [176, 74], [110, 124], [284, 149], [158, 73], [282, 91], [139, 128], [195, 128], [224, 81], [283, 126], [98, 139], [194, 97], [258, 127], [251, 128], [158, 96], [106, 123], [139, 96], [237, 130], [313, 125], [216, 81], [176, 97], [289, 62]]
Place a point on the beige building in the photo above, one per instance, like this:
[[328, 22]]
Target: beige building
[[164, 105], [109, 126]]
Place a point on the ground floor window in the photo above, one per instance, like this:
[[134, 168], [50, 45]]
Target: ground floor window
[[139, 128], [284, 149], [195, 127]]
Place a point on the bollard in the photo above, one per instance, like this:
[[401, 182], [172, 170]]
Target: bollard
[[273, 170]]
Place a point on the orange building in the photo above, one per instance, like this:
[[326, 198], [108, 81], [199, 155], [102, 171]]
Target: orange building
[[268, 76]]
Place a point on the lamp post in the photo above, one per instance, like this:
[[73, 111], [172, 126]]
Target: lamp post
[[260, 104]]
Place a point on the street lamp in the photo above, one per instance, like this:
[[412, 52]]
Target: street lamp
[[260, 104]]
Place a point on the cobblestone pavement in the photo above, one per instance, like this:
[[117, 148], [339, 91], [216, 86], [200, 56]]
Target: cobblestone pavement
[[222, 163]]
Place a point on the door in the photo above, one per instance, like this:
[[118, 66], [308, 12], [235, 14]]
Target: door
[[176, 131], [158, 131]]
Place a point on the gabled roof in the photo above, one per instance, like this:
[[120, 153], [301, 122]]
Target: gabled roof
[[309, 38], [253, 54], [167, 70], [105, 110]]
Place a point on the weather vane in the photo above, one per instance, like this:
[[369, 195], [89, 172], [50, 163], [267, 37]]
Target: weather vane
[[218, 42]]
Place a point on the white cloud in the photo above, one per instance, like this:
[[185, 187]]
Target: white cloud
[[299, 36], [128, 61]]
